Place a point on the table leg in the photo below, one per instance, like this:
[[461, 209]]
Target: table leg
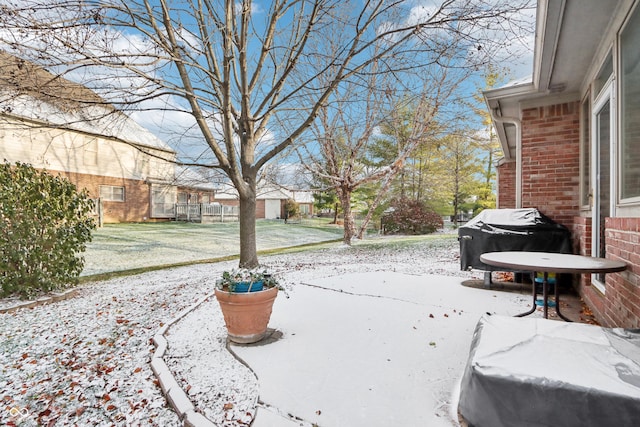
[[557, 295], [533, 304], [545, 294]]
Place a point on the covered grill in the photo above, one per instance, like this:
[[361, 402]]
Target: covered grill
[[496, 230]]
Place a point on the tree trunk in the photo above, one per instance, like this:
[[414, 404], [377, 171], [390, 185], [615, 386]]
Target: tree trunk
[[349, 224], [375, 204], [248, 249]]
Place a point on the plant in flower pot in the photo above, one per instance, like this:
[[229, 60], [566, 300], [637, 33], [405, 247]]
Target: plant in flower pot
[[246, 297]]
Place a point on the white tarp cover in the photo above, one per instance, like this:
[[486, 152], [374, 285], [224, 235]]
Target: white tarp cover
[[529, 372]]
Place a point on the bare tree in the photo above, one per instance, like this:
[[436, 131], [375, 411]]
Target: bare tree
[[374, 124], [345, 133], [247, 79]]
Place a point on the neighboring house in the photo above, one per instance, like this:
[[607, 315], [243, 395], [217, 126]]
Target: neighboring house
[[65, 128], [270, 201], [193, 185], [571, 140], [304, 199]]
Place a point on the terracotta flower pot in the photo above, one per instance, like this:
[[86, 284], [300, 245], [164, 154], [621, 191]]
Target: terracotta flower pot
[[246, 314]]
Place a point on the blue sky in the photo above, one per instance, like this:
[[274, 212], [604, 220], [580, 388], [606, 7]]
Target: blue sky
[[177, 128]]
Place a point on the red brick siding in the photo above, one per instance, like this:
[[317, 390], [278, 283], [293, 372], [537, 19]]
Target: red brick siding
[[622, 297], [260, 209], [506, 177], [582, 235], [135, 208], [620, 305], [550, 160]]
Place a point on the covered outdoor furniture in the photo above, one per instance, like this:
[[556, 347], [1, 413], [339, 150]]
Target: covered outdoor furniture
[[494, 230], [537, 372]]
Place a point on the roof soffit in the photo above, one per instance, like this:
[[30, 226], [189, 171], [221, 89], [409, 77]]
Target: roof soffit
[[569, 34]]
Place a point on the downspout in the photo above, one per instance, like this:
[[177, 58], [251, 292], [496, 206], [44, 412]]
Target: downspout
[[516, 122]]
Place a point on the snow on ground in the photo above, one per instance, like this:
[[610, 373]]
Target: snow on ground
[[85, 361]]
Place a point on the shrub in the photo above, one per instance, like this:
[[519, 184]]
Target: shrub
[[44, 225], [409, 216], [291, 209]]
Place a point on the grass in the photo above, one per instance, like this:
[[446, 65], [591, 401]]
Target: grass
[[135, 248], [123, 249]]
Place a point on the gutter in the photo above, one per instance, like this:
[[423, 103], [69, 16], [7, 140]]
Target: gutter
[[518, 125]]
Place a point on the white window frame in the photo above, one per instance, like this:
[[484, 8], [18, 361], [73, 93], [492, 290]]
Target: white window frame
[[607, 94], [586, 171], [107, 193], [168, 208], [629, 206]]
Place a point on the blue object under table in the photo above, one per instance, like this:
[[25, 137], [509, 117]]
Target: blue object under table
[[537, 372]]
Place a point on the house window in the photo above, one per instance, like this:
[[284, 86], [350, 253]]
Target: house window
[[630, 105], [163, 201], [112, 193], [184, 197], [606, 71]]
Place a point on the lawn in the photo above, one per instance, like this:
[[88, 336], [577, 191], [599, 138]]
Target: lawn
[[121, 247]]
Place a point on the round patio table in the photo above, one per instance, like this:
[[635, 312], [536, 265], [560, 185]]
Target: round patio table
[[548, 262]]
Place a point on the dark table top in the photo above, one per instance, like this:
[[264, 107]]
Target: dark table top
[[551, 262]]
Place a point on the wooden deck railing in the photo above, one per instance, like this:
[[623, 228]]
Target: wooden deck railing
[[206, 212]]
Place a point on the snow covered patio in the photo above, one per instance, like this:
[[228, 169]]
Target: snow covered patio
[[362, 341], [369, 336], [370, 349]]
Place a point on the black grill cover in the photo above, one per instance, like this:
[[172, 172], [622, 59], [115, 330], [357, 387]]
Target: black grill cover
[[497, 230]]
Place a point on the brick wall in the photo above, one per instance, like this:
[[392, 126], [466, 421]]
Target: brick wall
[[550, 160], [582, 236], [506, 181], [619, 306], [622, 296], [135, 208]]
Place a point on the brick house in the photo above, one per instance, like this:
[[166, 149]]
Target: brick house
[[65, 128], [571, 141]]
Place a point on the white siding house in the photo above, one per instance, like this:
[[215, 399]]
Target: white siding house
[[54, 124]]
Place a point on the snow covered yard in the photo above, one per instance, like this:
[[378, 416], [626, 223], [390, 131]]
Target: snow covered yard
[[117, 247], [85, 361]]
